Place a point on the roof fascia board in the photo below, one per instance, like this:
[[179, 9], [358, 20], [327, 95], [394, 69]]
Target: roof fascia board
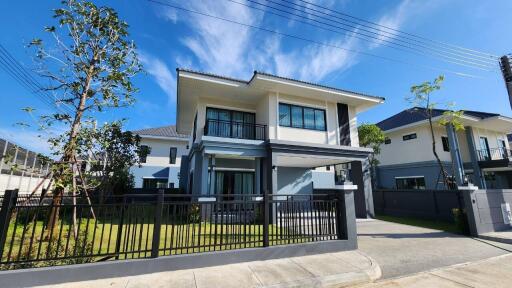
[[211, 79], [418, 123], [163, 137]]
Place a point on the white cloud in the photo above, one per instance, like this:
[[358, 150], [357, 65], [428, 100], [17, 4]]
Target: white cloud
[[222, 47], [233, 50], [169, 14], [163, 76]]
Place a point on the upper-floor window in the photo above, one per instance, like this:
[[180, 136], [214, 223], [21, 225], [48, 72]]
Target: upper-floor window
[[144, 152], [172, 155], [301, 117], [409, 137], [446, 144], [387, 141]]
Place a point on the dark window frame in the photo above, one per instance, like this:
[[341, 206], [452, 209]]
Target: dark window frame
[[446, 143], [143, 159], [411, 136], [172, 158], [387, 141], [148, 183], [302, 122], [418, 185]]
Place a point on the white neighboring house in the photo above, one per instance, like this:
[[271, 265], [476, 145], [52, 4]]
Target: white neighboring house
[[480, 153], [161, 167]]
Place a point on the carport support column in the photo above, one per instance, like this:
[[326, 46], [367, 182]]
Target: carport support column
[[363, 198], [455, 153], [477, 173]]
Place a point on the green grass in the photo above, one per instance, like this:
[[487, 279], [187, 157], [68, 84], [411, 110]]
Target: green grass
[[437, 225], [97, 237]]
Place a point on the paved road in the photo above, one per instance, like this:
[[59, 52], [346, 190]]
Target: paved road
[[402, 249], [494, 272]]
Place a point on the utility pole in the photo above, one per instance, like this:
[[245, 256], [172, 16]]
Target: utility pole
[[506, 70]]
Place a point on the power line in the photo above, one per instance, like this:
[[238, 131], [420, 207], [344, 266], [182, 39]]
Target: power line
[[396, 36], [22, 76], [404, 45], [309, 40], [360, 21]]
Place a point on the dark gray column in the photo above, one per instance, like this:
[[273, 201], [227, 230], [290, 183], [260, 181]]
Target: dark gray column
[[455, 153], [348, 219], [477, 172], [357, 178]]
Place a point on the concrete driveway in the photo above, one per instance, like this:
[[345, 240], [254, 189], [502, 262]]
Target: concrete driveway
[[402, 249]]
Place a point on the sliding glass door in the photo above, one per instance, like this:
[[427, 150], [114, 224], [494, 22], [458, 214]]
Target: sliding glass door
[[231, 183]]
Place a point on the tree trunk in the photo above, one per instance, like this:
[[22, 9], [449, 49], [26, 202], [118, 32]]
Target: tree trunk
[[69, 152], [441, 167]]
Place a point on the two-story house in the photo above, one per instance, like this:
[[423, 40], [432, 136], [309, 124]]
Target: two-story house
[[479, 154], [161, 167], [269, 135]]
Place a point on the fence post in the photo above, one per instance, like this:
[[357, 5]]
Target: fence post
[[341, 217], [158, 224], [9, 202], [436, 205], [266, 219], [120, 228]]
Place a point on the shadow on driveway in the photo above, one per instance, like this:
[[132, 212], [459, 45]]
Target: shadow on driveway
[[402, 249]]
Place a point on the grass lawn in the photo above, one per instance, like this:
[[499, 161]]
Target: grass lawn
[[438, 225], [99, 238]]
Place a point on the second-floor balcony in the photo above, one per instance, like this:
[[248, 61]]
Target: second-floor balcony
[[493, 154], [235, 129]]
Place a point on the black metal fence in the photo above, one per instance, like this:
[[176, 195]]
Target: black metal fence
[[424, 204], [128, 227]]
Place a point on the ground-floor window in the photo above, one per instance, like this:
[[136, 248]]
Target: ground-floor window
[[417, 182], [233, 182], [154, 183]]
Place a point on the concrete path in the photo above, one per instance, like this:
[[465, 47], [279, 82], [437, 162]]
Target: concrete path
[[325, 270], [494, 272], [402, 250]]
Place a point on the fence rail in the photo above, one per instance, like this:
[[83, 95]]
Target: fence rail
[[142, 226]]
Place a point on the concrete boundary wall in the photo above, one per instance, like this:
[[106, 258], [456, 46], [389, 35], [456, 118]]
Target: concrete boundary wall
[[484, 210], [101, 270]]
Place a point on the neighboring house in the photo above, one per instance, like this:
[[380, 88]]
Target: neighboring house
[[480, 153], [22, 169], [160, 169], [270, 134]]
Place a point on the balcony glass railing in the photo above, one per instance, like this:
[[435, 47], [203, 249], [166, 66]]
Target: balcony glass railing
[[493, 154], [234, 129]]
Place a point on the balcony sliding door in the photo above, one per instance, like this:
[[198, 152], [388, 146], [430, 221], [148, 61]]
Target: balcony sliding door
[[231, 124]]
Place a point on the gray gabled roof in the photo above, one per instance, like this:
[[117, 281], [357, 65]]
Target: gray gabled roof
[[164, 131], [417, 114], [279, 77]]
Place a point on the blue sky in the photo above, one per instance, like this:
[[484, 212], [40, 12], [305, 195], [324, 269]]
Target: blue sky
[[167, 38]]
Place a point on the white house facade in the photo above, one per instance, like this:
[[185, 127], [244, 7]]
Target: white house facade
[[479, 154], [270, 135], [161, 167]]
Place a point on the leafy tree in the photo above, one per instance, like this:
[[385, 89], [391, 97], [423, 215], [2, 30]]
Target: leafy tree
[[423, 103], [89, 69], [371, 136], [108, 155]]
